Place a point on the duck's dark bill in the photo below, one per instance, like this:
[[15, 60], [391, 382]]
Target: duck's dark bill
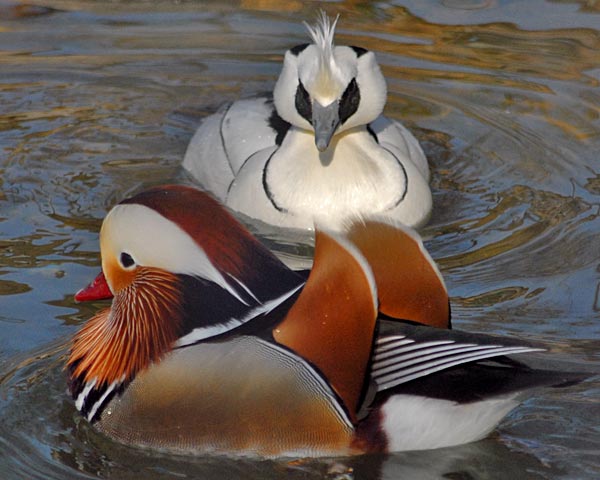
[[97, 290]]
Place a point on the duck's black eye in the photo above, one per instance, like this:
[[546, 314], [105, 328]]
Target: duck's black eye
[[303, 105], [349, 101], [126, 260]]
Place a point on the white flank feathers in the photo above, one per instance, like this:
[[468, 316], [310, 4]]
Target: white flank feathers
[[420, 423], [84, 393]]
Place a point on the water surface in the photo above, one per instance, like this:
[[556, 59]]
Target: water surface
[[99, 99]]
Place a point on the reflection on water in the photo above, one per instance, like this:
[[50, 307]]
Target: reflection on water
[[34, 447], [98, 100]]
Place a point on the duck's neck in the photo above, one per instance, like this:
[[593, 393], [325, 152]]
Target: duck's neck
[[355, 174], [209, 310]]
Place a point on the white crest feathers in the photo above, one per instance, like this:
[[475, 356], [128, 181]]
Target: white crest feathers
[[322, 33]]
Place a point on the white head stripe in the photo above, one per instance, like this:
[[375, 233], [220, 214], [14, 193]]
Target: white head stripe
[[155, 241]]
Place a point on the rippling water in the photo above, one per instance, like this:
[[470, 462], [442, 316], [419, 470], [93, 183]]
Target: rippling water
[[98, 99]]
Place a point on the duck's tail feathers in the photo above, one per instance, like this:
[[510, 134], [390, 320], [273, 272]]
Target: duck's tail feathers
[[437, 388], [459, 405], [476, 365], [414, 422], [412, 352]]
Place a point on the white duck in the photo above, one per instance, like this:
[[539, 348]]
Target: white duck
[[319, 150]]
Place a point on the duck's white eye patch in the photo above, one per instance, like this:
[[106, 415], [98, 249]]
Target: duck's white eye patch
[[131, 227], [126, 260]]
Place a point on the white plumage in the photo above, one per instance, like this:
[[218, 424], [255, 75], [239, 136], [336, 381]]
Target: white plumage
[[319, 150], [420, 423]]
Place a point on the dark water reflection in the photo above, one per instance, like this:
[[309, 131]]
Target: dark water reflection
[[55, 444], [99, 99]]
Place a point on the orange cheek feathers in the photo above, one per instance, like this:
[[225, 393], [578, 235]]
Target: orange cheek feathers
[[117, 277]]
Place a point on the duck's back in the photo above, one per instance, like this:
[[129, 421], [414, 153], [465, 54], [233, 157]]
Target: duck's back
[[227, 138], [391, 134]]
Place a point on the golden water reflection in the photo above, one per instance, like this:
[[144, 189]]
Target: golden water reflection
[[99, 99]]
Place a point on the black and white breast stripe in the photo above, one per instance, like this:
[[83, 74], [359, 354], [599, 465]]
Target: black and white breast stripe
[[278, 124], [92, 401], [402, 195], [267, 188], [223, 142], [271, 197]]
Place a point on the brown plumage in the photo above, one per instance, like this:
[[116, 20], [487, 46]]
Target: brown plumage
[[333, 321], [408, 284]]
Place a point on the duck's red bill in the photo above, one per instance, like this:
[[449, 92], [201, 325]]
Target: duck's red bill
[[97, 290]]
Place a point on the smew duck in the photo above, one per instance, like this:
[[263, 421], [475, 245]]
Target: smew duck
[[319, 149]]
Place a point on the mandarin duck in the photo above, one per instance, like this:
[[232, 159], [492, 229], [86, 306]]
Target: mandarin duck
[[212, 345]]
